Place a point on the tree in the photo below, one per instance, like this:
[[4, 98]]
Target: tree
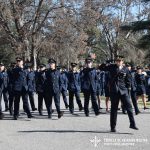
[[142, 26]]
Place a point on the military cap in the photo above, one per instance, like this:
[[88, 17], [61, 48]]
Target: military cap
[[51, 61], [73, 64], [1, 64], [42, 65], [18, 59], [139, 67], [128, 65], [58, 67], [88, 60], [119, 57]]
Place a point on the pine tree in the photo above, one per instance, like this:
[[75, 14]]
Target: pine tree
[[144, 41]]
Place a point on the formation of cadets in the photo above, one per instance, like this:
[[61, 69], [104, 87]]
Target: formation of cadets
[[116, 81]]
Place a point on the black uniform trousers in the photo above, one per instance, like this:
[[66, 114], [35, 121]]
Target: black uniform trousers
[[134, 100], [71, 102], [31, 98], [41, 97], [87, 96], [24, 95], [64, 95], [5, 96], [0, 101], [11, 100], [115, 97], [49, 99]]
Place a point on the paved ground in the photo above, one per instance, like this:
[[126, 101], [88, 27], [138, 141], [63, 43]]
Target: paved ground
[[73, 132]]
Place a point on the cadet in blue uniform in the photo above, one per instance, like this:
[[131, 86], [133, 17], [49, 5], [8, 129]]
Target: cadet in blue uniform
[[1, 88], [40, 87], [140, 82], [89, 87], [53, 88], [133, 89], [74, 87], [20, 88], [10, 87], [99, 87], [5, 87], [119, 84], [64, 85], [31, 86], [148, 83]]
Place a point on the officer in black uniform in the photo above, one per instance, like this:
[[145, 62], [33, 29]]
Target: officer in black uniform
[[40, 87], [20, 88], [74, 88], [52, 88], [89, 87], [31, 85], [10, 87], [119, 85]]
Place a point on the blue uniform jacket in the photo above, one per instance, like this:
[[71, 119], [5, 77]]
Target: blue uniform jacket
[[89, 79], [52, 82], [40, 79], [31, 81], [74, 82], [19, 79], [64, 81]]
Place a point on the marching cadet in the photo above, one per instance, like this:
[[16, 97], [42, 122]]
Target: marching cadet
[[106, 89], [74, 87], [52, 88], [133, 89], [10, 87], [140, 89], [31, 86], [89, 87], [64, 85], [119, 85], [99, 87], [5, 86], [148, 83], [1, 88], [40, 88], [20, 88]]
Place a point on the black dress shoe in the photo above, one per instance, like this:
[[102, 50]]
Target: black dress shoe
[[30, 116], [113, 130], [60, 114], [133, 127], [81, 108], [1, 116], [124, 112], [146, 108], [49, 116], [41, 113], [87, 115], [97, 114], [15, 117], [52, 110], [34, 109], [67, 106], [138, 112], [6, 109]]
